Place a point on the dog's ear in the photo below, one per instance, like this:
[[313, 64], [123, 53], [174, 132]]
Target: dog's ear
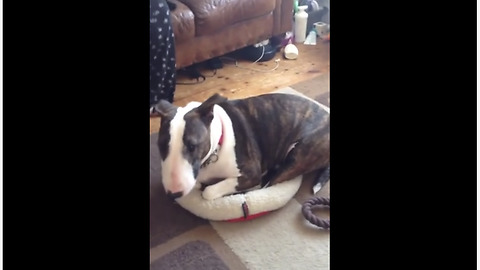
[[165, 109], [205, 110]]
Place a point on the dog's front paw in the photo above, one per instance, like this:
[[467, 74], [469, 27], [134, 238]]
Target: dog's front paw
[[211, 193], [220, 189]]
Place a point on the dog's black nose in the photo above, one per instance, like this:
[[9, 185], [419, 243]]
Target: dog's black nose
[[175, 195]]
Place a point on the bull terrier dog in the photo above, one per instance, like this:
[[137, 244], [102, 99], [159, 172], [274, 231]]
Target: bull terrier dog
[[232, 146]]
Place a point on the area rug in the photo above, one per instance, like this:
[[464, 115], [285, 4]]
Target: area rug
[[282, 239]]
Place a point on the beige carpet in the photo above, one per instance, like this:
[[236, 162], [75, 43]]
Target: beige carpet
[[282, 239]]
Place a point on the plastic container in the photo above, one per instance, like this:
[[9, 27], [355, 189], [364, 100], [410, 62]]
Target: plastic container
[[291, 51], [301, 18]]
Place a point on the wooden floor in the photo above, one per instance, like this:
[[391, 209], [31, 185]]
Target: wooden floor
[[235, 82]]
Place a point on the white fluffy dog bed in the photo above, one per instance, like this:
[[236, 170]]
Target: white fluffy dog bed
[[240, 207]]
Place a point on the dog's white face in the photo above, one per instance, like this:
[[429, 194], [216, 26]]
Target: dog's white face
[[179, 165], [184, 142]]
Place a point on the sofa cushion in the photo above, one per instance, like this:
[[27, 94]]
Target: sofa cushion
[[213, 15], [183, 22]]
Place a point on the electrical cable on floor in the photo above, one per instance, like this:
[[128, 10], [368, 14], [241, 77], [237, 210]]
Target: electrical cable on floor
[[263, 53], [198, 75], [277, 63]]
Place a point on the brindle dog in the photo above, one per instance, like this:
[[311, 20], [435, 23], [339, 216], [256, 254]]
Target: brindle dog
[[246, 143]]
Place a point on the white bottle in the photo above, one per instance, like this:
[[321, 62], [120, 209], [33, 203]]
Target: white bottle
[[301, 18]]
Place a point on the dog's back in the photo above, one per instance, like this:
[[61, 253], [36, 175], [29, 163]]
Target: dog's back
[[273, 124]]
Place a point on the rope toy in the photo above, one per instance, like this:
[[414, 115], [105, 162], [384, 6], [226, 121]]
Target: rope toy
[[307, 211]]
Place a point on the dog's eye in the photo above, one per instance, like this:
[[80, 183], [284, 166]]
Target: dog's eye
[[190, 147]]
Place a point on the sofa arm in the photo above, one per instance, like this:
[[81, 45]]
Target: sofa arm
[[282, 17]]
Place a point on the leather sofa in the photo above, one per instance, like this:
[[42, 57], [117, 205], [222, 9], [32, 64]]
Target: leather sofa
[[205, 29]]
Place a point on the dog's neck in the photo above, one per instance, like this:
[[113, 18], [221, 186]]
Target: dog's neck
[[216, 139]]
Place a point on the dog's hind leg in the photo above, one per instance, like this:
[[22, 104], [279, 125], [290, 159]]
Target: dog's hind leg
[[306, 157]]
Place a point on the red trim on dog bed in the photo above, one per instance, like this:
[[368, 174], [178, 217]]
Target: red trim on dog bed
[[248, 217]]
